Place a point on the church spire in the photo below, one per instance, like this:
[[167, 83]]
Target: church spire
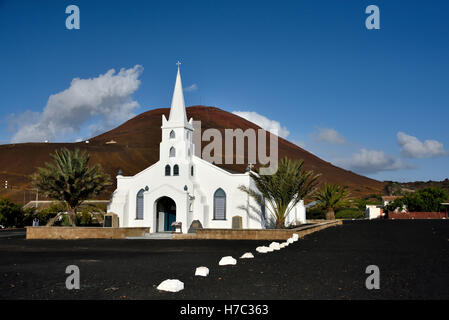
[[178, 107]]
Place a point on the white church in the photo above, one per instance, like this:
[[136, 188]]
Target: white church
[[182, 188]]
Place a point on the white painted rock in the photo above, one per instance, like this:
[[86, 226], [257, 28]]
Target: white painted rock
[[228, 260], [264, 249], [247, 255], [290, 240], [261, 249], [282, 245], [275, 246], [295, 236], [202, 271], [171, 285]]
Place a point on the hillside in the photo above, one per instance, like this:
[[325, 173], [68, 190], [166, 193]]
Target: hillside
[[137, 147], [399, 188]]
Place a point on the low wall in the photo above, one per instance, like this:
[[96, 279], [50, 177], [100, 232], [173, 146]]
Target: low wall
[[83, 232], [417, 215], [256, 234]]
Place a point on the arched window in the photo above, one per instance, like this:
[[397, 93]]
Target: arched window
[[172, 134], [139, 205], [219, 205], [167, 170], [172, 152], [191, 171], [175, 170]]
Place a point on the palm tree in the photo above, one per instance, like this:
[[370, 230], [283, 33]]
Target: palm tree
[[283, 189], [330, 198], [70, 179]]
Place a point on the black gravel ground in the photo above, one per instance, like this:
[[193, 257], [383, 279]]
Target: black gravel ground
[[413, 257]]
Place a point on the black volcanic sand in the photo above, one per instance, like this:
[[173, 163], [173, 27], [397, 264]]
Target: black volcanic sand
[[413, 257]]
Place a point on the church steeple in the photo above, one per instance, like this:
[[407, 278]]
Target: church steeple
[[178, 107], [177, 133]]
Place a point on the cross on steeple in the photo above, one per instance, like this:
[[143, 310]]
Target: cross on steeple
[[178, 64]]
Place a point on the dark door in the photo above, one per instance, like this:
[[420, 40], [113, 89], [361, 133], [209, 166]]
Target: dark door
[[169, 219]]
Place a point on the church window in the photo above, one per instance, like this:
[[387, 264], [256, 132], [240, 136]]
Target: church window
[[172, 152], [175, 170], [139, 205], [219, 205], [191, 171], [172, 134], [167, 170]]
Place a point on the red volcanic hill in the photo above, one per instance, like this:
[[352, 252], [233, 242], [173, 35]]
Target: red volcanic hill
[[136, 146]]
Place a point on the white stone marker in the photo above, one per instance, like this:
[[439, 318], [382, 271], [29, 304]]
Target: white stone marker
[[261, 249], [282, 245], [275, 246], [202, 271], [295, 237], [247, 255], [264, 249], [290, 240], [228, 260], [171, 285]]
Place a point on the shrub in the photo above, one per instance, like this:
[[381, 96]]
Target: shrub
[[350, 213], [425, 200], [84, 217], [11, 214], [315, 213], [47, 213]]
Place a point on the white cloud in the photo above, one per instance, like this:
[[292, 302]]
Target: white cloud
[[193, 87], [411, 147], [105, 100], [372, 161], [264, 122], [329, 135]]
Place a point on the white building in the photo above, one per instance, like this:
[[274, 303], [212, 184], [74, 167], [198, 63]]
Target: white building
[[182, 187], [373, 211]]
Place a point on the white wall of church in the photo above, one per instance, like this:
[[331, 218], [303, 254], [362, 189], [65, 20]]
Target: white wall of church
[[212, 178]]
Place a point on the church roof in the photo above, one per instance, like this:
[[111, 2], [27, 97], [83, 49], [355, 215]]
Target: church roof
[[178, 107]]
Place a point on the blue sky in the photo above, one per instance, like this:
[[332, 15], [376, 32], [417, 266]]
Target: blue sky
[[372, 101]]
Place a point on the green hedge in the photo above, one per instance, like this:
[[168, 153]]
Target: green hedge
[[346, 213], [350, 213]]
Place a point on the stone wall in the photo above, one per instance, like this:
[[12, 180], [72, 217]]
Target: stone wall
[[83, 232], [252, 234]]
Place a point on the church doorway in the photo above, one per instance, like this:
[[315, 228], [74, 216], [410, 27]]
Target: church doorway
[[165, 214]]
